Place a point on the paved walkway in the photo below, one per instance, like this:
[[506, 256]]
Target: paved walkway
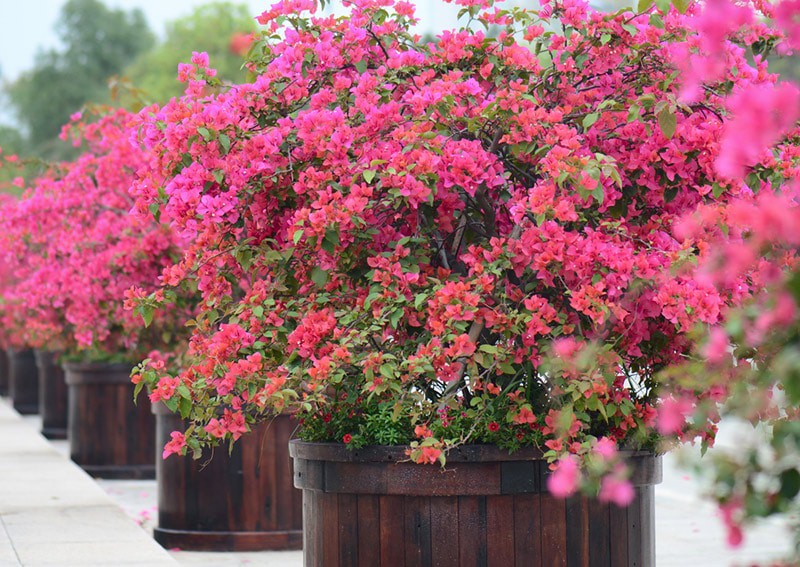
[[51, 513]]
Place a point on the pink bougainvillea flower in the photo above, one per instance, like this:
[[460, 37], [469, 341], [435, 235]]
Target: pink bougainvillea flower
[[761, 115], [175, 445], [672, 415], [617, 490], [565, 479]]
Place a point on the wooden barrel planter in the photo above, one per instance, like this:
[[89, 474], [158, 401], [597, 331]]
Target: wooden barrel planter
[[487, 508], [3, 372], [52, 395], [109, 435], [23, 381], [244, 501]]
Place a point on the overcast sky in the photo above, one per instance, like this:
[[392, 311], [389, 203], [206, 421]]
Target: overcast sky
[[27, 25]]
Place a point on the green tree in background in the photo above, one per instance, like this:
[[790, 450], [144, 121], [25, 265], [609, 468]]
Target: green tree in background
[[98, 43], [217, 28]]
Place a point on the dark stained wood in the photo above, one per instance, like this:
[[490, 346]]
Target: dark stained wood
[[519, 477], [110, 436], [243, 501], [553, 529], [392, 530], [52, 395], [23, 381], [418, 550], [618, 535], [500, 530], [312, 529], [329, 507], [517, 523], [527, 527], [599, 543], [472, 531], [444, 531], [369, 529], [578, 527], [641, 528], [3, 372], [348, 530]]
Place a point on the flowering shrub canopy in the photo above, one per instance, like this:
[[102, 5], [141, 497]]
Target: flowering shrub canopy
[[470, 240], [74, 251]]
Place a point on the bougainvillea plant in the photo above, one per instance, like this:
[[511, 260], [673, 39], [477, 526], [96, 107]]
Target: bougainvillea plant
[[74, 252], [463, 241]]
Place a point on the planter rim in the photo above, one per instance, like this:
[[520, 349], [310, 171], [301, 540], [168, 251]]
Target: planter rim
[[97, 366], [338, 452], [97, 373]]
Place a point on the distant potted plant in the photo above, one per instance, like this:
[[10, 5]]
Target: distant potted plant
[[84, 252], [457, 253]]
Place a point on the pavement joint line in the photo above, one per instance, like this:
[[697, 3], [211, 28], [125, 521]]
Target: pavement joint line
[[10, 541]]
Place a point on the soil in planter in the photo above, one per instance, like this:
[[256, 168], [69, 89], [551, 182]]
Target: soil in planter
[[365, 508], [23, 380], [244, 501]]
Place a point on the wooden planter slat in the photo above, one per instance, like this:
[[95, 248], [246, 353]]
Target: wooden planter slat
[[23, 381], [244, 501], [3, 372], [500, 528], [444, 527], [110, 436], [53, 395], [515, 522]]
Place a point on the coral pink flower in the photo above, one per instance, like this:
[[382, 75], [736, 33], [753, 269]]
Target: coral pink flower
[[175, 445]]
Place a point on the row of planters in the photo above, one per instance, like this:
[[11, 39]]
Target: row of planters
[[64, 289], [488, 279]]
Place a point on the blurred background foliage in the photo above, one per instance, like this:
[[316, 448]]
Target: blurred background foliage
[[110, 56]]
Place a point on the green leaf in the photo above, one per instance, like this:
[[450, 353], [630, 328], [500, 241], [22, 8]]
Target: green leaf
[[790, 484], [319, 276], [225, 142], [667, 121], [394, 318], [590, 119], [204, 133], [369, 175], [136, 390], [298, 234], [681, 5], [155, 210], [147, 314], [656, 21], [599, 194], [361, 66], [644, 5]]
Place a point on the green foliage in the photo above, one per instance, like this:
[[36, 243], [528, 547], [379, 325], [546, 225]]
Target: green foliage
[[208, 28], [373, 423], [98, 43]]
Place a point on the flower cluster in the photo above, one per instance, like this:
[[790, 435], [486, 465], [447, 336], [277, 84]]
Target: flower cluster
[[464, 241], [75, 253]]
